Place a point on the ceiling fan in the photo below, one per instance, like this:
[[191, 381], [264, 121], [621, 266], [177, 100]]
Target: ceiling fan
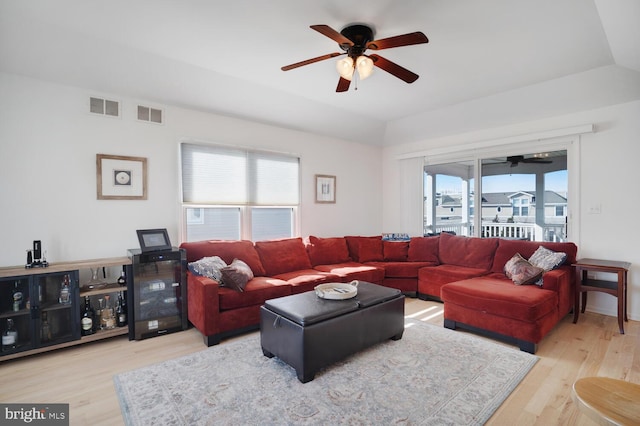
[[354, 40], [517, 159]]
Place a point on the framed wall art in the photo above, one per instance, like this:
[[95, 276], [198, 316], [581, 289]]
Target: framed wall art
[[325, 189], [121, 178]]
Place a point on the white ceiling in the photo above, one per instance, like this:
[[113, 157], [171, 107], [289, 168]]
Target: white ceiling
[[225, 57]]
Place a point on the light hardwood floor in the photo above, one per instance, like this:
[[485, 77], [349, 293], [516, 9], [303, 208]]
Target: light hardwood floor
[[83, 375]]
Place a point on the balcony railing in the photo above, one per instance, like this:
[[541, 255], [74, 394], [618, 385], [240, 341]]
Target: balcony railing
[[515, 231]]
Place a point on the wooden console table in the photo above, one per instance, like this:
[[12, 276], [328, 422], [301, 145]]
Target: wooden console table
[[608, 401], [585, 284]]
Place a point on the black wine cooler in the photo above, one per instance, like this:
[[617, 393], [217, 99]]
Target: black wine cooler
[[158, 295]]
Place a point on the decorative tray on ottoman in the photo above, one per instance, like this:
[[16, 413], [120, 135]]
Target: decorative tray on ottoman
[[337, 291]]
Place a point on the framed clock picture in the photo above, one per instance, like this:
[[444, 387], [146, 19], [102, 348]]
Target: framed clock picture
[[121, 178]]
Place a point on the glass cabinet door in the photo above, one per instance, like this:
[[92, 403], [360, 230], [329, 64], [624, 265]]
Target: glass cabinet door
[[15, 315], [56, 313], [158, 292]]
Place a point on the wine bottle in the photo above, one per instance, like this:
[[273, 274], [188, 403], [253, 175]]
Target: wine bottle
[[9, 336], [107, 318], [121, 311], [17, 297], [45, 329], [65, 292], [88, 318]]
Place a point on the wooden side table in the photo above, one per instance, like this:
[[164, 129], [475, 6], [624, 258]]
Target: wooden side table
[[608, 401], [585, 284]]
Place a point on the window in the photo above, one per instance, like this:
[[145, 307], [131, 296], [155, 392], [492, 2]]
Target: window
[[231, 194], [518, 196], [520, 207]]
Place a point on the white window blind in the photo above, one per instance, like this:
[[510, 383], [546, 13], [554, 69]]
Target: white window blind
[[221, 175]]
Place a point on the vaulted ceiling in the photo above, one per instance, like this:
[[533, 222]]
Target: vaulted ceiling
[[487, 63]]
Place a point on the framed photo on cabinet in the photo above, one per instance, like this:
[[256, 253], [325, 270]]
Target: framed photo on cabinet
[[121, 178], [325, 189]]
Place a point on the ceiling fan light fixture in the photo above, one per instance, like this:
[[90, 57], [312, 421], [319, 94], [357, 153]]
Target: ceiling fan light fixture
[[345, 67], [364, 65]]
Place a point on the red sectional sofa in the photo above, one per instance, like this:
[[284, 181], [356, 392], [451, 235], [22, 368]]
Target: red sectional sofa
[[464, 273]]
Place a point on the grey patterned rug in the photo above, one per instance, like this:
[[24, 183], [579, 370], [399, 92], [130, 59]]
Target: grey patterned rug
[[432, 376]]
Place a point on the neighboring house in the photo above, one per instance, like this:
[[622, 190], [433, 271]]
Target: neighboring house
[[519, 207]]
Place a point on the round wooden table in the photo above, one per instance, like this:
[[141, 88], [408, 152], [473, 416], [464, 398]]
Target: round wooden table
[[608, 401]]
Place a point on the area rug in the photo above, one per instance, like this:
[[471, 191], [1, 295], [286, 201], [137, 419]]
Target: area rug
[[432, 376]]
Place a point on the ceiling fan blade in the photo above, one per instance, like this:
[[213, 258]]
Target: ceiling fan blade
[[394, 69], [332, 34], [310, 61], [536, 160], [343, 85], [397, 41], [516, 159]]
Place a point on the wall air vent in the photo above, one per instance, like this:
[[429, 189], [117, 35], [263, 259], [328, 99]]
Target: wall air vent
[[151, 115], [104, 107]]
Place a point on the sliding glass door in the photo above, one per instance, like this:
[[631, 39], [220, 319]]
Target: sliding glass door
[[525, 196], [448, 198], [522, 196]]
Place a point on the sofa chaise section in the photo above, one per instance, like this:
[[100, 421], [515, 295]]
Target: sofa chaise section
[[522, 314]]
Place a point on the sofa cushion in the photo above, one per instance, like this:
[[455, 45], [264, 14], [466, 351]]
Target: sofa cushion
[[443, 274], [401, 269], [467, 251], [547, 259], [255, 293], [279, 256], [227, 251], [208, 267], [395, 250], [520, 271], [507, 248], [349, 271], [501, 298], [353, 243], [371, 250], [236, 275], [306, 279], [423, 249], [324, 251]]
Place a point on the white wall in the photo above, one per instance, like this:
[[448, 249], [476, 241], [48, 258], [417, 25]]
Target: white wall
[[608, 177], [48, 147]]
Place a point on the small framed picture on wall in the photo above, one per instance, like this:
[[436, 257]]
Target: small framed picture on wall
[[325, 189], [121, 178]]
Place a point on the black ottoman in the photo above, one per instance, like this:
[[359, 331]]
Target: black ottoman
[[310, 333]]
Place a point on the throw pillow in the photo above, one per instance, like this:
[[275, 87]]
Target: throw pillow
[[208, 267], [521, 271], [236, 275], [547, 259]]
